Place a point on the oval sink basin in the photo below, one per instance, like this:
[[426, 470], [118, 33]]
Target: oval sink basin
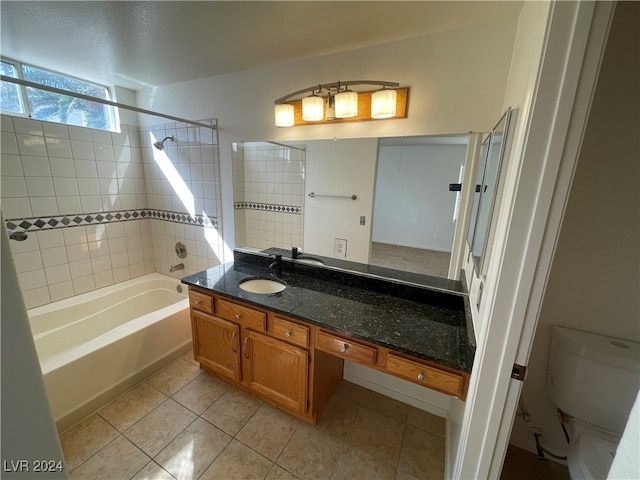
[[310, 260], [262, 285]]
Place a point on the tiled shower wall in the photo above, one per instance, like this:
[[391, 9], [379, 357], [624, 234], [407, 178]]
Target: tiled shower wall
[[269, 195], [81, 195]]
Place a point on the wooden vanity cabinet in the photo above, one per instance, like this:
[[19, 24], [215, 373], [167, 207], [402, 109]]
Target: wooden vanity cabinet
[[216, 344], [276, 371]]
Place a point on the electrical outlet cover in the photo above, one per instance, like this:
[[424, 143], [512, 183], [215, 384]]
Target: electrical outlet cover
[[340, 248]]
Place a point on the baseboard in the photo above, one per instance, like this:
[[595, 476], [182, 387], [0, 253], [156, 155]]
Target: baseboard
[[68, 420], [398, 389]]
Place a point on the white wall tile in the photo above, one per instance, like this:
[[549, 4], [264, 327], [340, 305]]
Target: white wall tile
[[103, 152], [11, 166], [50, 238], [43, 206], [16, 208], [57, 274], [27, 126], [121, 274], [6, 123], [62, 167], [101, 264], [64, 186], [91, 203], [35, 297], [31, 145], [75, 235], [83, 284], [80, 269], [103, 279], [9, 144], [80, 133], [35, 166], [60, 291], [13, 187], [54, 256], [85, 169], [99, 248], [82, 150], [39, 186], [59, 147], [69, 205], [55, 130], [88, 186], [101, 136], [78, 252], [32, 279]]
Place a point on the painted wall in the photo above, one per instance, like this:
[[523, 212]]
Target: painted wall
[[414, 180], [595, 276]]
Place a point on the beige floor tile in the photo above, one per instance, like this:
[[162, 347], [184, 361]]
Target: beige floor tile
[[189, 358], [311, 453], [426, 421], [232, 410], [152, 471], [131, 406], [238, 461], [268, 431], [402, 475], [353, 392], [201, 392], [422, 454], [189, 455], [120, 459], [376, 434], [386, 405], [174, 376], [85, 439], [160, 427], [279, 473], [339, 416], [355, 464]]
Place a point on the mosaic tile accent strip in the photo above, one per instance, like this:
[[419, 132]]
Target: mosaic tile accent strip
[[270, 207], [35, 224]]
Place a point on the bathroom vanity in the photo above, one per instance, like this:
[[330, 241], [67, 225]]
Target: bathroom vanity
[[288, 347]]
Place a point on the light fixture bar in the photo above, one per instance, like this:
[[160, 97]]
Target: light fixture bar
[[335, 86]]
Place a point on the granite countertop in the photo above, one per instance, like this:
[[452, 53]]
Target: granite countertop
[[428, 324]]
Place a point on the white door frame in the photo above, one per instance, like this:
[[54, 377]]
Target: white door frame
[[527, 228]]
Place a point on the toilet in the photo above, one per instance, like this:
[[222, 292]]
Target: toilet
[[595, 380]]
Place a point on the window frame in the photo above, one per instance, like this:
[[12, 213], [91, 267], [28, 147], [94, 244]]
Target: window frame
[[112, 111]]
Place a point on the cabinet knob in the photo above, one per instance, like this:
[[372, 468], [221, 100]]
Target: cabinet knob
[[238, 316], [421, 376], [287, 333], [197, 302], [344, 348]]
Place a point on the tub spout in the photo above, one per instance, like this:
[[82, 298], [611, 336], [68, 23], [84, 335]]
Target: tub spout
[[179, 266]]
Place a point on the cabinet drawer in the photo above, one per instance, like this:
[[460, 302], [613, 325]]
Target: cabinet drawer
[[415, 372], [200, 301], [290, 332], [246, 316], [346, 348]]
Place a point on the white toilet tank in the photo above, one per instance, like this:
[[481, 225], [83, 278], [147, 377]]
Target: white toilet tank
[[592, 377]]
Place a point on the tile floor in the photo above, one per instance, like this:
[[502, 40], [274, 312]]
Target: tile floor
[[184, 423]]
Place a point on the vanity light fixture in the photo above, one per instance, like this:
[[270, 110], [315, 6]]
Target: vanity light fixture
[[337, 102]]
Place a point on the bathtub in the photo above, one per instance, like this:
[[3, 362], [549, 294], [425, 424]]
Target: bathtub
[[94, 346]]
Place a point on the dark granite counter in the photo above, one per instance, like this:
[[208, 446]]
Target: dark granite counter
[[430, 324]]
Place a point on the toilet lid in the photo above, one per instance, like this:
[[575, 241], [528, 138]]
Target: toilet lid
[[591, 457]]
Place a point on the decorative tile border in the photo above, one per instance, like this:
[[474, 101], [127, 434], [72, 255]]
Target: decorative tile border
[[270, 207], [35, 224]]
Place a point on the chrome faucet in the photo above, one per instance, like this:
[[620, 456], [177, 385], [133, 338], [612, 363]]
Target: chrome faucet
[[277, 265], [179, 266]]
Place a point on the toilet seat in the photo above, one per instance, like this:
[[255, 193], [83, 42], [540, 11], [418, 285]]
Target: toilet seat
[[590, 457]]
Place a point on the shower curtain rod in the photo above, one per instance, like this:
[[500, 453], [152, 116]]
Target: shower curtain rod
[[26, 83]]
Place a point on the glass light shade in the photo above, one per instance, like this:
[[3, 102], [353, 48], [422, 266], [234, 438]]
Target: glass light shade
[[313, 108], [383, 103], [284, 115], [346, 104]]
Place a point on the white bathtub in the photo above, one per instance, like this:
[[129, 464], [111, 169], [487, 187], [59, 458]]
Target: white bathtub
[[94, 346]]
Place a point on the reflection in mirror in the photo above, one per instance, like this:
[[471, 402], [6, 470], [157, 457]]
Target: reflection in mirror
[[489, 189], [413, 212], [268, 194], [403, 217]]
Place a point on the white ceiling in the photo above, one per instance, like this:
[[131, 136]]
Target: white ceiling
[[145, 44]]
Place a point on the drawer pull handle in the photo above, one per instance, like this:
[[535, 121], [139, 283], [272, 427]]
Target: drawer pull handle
[[246, 353], [238, 316], [197, 302], [421, 376], [344, 348], [234, 349], [287, 333]]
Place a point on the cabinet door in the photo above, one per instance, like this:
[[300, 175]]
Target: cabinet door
[[276, 370], [216, 344]]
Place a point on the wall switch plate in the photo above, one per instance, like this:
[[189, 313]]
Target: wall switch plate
[[362, 219], [340, 248]]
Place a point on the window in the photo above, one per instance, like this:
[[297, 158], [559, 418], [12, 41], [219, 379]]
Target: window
[[54, 107]]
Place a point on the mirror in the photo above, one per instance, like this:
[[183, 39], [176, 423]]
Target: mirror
[[488, 175], [400, 185]]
